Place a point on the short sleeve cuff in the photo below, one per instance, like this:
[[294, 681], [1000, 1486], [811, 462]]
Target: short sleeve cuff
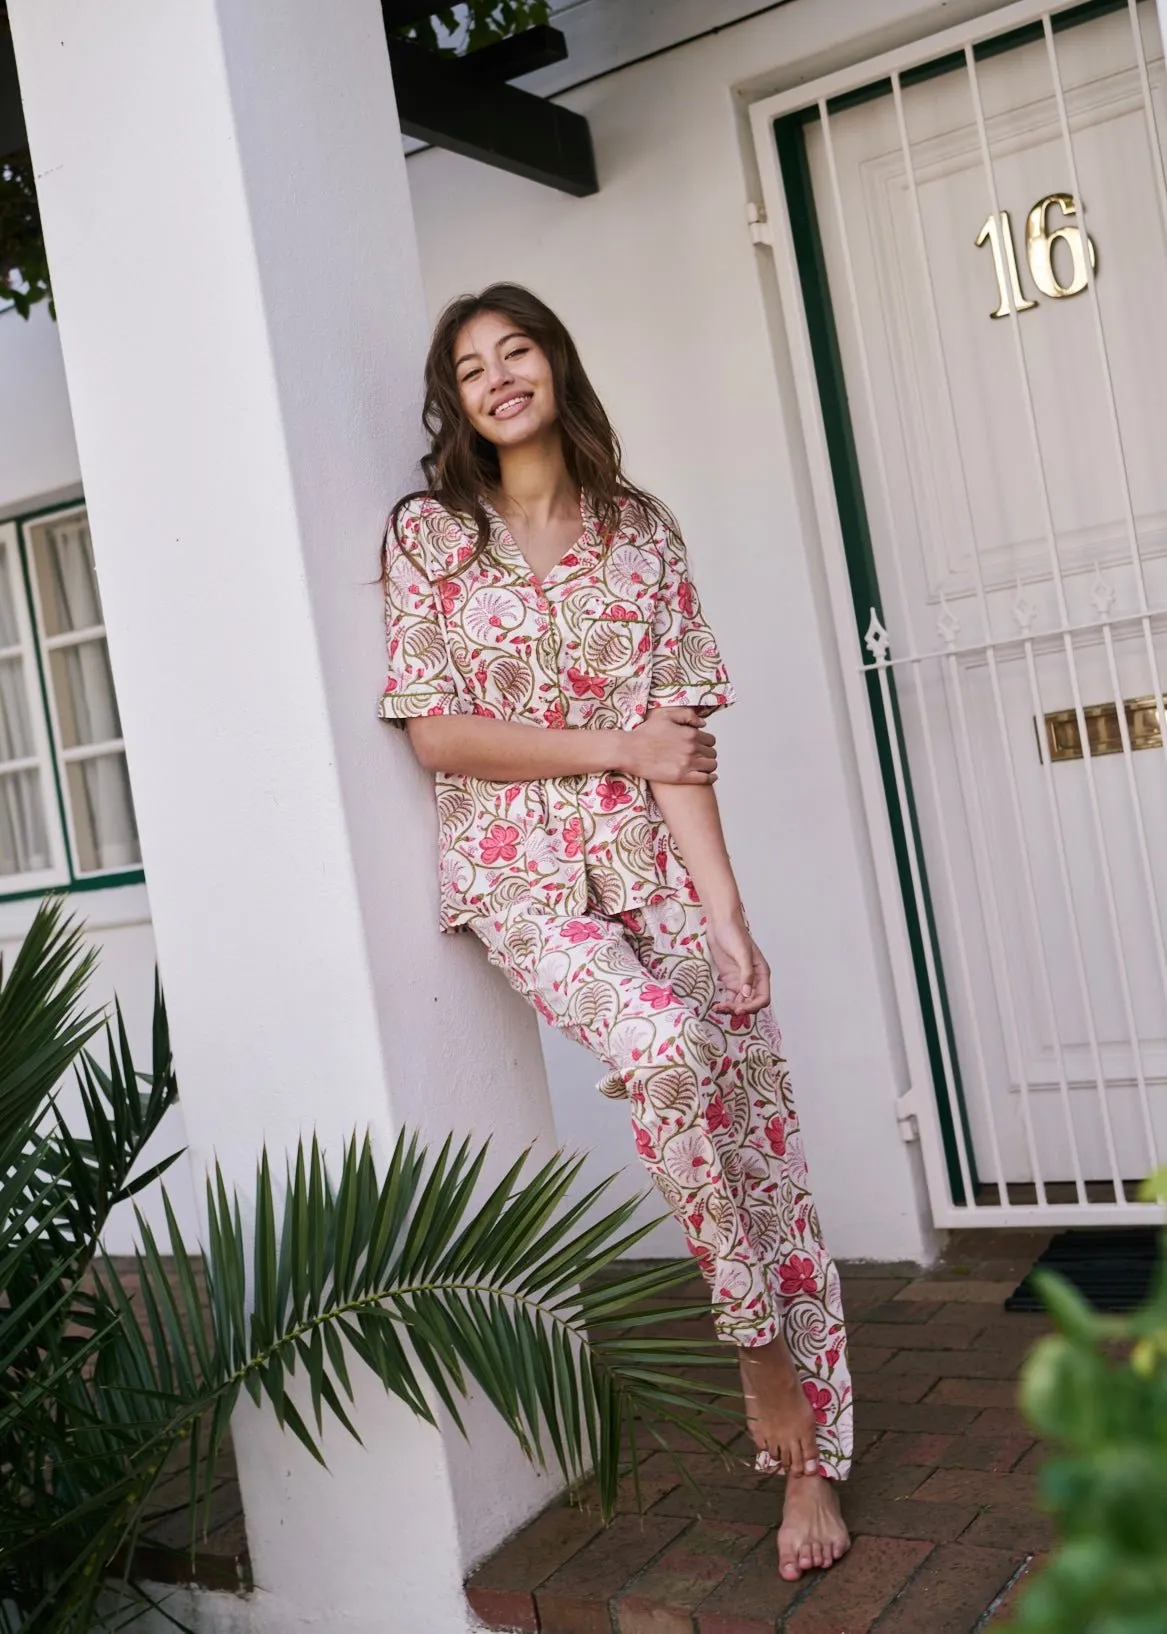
[[707, 696], [399, 707]]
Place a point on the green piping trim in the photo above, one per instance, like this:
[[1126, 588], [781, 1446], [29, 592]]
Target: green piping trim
[[789, 135], [54, 748], [87, 882], [55, 509]]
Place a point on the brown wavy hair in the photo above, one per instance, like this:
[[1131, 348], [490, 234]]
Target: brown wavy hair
[[461, 466]]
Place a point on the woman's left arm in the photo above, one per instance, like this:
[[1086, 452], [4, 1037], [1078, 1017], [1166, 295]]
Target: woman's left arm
[[692, 817]]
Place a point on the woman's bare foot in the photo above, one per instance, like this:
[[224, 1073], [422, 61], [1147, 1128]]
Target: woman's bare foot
[[780, 1418], [812, 1533]]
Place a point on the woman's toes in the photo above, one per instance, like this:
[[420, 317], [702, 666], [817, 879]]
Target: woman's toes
[[787, 1562], [841, 1545], [810, 1466], [806, 1558]]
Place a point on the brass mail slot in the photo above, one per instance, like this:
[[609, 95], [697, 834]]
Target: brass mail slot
[[1102, 732]]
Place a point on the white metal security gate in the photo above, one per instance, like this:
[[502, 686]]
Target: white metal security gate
[[990, 466]]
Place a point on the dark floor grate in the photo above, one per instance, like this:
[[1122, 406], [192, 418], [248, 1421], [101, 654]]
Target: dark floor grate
[[1112, 1268]]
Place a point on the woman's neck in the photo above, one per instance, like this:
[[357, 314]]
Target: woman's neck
[[534, 482]]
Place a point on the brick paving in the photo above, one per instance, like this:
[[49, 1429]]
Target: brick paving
[[940, 1503]]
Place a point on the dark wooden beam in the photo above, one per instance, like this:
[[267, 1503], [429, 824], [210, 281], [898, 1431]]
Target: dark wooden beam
[[438, 101], [520, 54], [400, 13]]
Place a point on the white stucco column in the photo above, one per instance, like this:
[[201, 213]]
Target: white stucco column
[[233, 258]]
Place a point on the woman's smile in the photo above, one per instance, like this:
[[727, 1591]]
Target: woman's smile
[[511, 405]]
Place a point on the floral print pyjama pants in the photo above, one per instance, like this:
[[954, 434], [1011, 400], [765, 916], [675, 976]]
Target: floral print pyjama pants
[[713, 1117]]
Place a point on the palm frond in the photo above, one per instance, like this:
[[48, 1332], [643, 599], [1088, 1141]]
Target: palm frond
[[431, 1286], [43, 1027]]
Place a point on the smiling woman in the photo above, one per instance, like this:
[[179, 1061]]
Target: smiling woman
[[549, 656]]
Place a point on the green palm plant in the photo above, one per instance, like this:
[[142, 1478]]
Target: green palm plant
[[416, 1270]]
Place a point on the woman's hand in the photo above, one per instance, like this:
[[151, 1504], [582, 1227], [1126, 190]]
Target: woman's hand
[[670, 746], [742, 972]]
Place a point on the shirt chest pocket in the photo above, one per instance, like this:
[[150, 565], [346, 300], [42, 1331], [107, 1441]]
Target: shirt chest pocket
[[615, 648]]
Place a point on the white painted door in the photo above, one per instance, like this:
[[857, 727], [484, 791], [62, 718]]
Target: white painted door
[[1014, 479]]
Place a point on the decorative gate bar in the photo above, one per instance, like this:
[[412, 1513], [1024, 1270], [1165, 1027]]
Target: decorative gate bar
[[1033, 906]]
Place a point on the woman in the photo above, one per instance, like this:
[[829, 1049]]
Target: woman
[[548, 655]]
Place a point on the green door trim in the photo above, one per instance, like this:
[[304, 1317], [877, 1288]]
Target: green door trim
[[790, 138], [789, 134]]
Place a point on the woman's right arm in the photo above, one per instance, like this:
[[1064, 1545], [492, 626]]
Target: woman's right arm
[[671, 746]]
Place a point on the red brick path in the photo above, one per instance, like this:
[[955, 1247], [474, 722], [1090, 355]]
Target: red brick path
[[940, 1502]]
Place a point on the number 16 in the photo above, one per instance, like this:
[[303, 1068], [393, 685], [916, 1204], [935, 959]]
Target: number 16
[[1039, 243]]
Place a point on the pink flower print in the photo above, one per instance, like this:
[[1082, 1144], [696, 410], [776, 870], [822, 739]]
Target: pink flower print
[[776, 1135], [613, 792], [580, 930], [501, 843], [555, 717], [585, 686], [513, 793], [716, 1116], [623, 615], [572, 837], [659, 997], [704, 1258], [390, 685], [570, 560], [449, 590], [739, 1023], [644, 1146], [543, 1008], [831, 1357], [689, 1158], [695, 1221], [819, 1398], [686, 600], [662, 859], [797, 1277], [644, 645]]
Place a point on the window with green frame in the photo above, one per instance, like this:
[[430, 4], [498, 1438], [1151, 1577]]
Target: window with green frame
[[66, 812]]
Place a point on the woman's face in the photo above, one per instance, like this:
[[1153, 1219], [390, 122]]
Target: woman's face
[[504, 381]]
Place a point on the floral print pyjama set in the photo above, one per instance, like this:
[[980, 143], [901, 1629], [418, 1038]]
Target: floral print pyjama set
[[575, 887]]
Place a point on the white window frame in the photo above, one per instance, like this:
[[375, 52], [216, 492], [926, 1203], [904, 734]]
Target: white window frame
[[52, 757], [58, 873]]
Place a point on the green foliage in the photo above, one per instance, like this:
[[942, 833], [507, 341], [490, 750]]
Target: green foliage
[[415, 1269], [24, 268], [1097, 1390], [468, 27]]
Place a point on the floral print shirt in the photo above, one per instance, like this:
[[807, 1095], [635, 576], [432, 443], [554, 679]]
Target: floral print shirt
[[614, 630]]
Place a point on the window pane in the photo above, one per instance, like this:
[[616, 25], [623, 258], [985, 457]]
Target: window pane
[[103, 814], [15, 729], [9, 629], [24, 842], [65, 577], [83, 688]]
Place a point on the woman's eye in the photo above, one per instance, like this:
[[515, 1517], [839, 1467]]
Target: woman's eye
[[469, 376], [519, 351]]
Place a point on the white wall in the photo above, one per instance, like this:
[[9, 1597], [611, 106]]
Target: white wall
[[38, 465], [37, 452], [668, 299]]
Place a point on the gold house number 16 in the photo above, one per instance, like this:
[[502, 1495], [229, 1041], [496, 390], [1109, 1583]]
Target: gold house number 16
[[1040, 240]]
